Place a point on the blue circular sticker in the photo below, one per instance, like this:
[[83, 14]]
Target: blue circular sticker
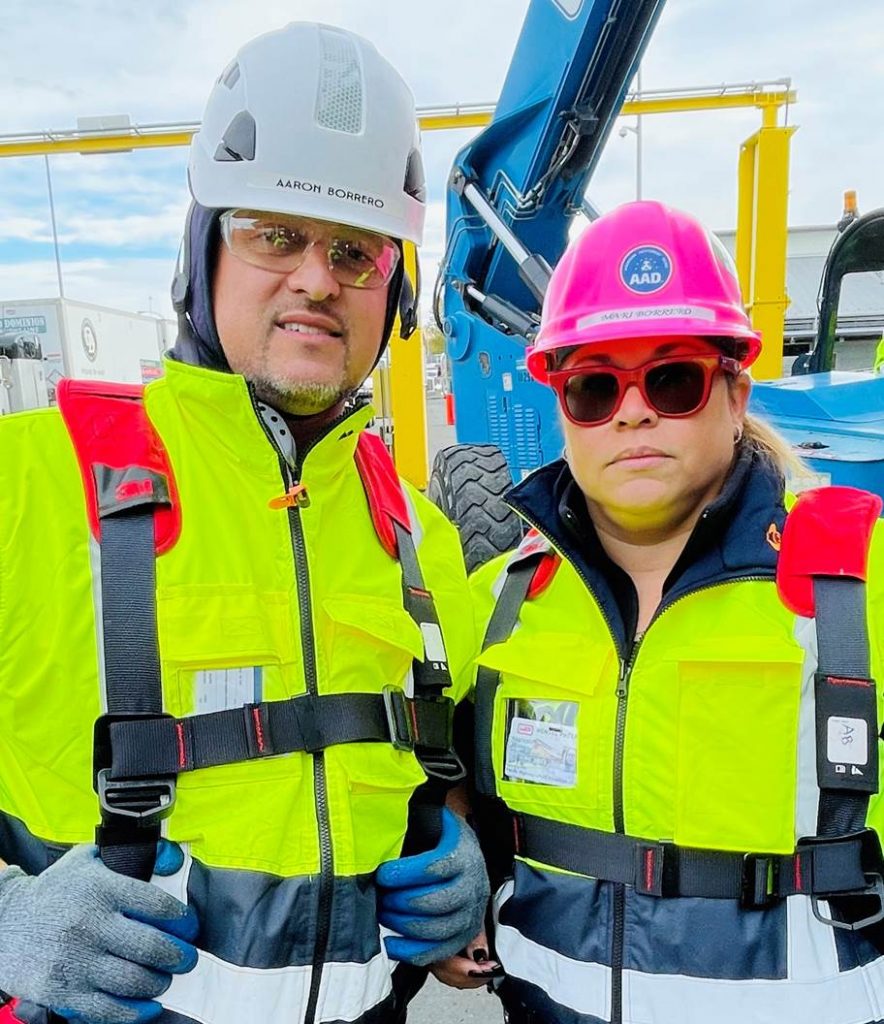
[[645, 269]]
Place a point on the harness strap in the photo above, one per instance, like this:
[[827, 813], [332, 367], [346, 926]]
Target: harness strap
[[501, 624], [129, 493], [822, 869], [162, 745]]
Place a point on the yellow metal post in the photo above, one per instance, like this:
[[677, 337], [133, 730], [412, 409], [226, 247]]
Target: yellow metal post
[[743, 242], [407, 394], [762, 232]]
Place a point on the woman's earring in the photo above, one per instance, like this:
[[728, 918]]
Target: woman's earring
[[738, 434]]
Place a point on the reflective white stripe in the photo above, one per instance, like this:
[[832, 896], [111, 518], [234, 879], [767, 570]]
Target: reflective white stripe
[[811, 951], [852, 997], [98, 607], [807, 794], [417, 527], [585, 988], [216, 992]]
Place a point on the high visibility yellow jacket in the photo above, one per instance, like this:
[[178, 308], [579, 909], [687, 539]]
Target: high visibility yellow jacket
[[700, 733], [240, 615]]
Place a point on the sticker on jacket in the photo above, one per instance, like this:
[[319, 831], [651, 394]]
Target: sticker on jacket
[[220, 689], [542, 751]]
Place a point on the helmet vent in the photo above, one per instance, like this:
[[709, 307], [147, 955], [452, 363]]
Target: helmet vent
[[230, 75], [415, 184], [238, 141], [339, 98]]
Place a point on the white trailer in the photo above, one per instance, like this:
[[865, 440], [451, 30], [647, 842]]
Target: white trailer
[[88, 342]]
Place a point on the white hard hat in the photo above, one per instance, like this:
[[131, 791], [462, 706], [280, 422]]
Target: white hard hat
[[312, 120]]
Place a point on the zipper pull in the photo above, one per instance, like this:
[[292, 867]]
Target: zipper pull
[[296, 495], [621, 680]]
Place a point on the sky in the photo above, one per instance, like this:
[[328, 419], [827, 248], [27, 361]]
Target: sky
[[119, 216]]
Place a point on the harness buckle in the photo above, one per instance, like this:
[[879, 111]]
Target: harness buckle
[[399, 719], [145, 801], [844, 868], [758, 883]]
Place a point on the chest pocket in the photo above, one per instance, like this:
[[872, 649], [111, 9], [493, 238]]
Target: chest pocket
[[738, 735], [225, 646], [369, 645], [555, 679]]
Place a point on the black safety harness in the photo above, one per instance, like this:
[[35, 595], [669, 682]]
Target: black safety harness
[[844, 858], [139, 751]]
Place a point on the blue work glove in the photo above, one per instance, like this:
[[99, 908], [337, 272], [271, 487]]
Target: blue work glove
[[89, 944], [436, 900]]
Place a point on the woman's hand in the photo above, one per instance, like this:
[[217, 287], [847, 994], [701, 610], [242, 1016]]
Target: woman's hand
[[470, 968]]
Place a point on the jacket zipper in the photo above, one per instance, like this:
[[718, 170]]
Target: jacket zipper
[[622, 691], [291, 477]]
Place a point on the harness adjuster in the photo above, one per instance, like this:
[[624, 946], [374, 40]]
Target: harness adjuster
[[844, 867], [759, 881], [657, 869], [399, 720], [146, 801], [143, 800]]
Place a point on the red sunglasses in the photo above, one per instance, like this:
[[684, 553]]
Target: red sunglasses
[[672, 387]]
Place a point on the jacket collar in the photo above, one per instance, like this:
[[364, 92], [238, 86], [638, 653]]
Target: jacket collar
[[729, 541], [221, 403]]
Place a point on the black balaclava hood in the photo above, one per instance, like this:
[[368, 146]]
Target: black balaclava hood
[[198, 342]]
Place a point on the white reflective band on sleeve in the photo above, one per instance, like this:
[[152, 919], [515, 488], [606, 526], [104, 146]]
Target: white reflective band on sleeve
[[648, 313], [216, 992]]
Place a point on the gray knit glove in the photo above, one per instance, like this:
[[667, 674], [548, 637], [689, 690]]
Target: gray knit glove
[[90, 944]]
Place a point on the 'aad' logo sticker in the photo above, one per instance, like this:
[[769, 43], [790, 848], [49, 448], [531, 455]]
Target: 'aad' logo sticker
[[645, 269]]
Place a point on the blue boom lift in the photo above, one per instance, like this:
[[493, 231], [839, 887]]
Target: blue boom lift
[[512, 195]]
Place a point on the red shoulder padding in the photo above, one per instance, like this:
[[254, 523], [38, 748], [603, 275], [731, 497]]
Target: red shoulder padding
[[383, 488], [533, 543], [7, 1013], [108, 425], [544, 573], [827, 533]]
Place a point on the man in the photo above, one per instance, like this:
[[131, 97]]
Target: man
[[226, 580]]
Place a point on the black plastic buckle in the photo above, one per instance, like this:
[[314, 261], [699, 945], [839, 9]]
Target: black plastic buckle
[[870, 864], [146, 801], [447, 768], [758, 883], [399, 719]]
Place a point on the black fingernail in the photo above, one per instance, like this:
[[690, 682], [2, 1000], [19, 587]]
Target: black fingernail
[[479, 955]]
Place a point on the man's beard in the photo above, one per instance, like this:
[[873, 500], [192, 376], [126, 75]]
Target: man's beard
[[299, 398]]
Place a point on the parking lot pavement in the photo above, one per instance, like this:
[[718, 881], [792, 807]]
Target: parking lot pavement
[[438, 1004]]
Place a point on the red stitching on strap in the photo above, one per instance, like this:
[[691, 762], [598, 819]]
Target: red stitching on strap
[[839, 681], [182, 754], [649, 870], [799, 885], [259, 732]]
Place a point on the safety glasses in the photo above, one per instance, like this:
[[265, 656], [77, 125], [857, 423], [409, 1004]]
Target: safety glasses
[[280, 243], [672, 387]]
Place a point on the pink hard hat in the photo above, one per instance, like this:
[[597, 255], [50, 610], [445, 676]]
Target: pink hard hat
[[643, 270]]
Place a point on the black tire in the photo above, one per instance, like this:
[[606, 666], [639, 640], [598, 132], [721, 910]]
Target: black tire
[[468, 483]]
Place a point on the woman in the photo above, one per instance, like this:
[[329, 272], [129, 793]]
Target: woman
[[648, 700]]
